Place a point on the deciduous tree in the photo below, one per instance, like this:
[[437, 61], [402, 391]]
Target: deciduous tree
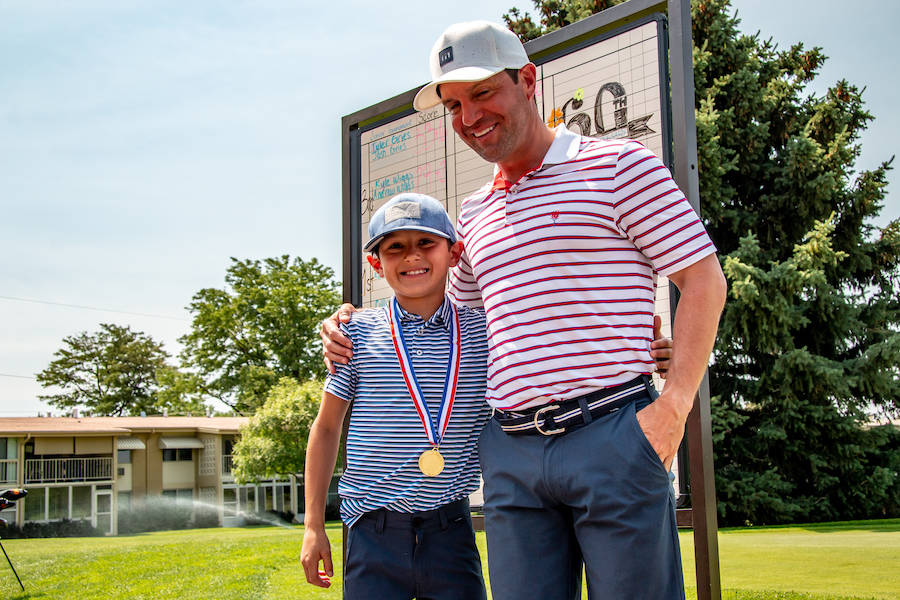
[[274, 441], [115, 371], [262, 326]]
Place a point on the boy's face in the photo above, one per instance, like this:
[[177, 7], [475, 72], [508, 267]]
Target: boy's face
[[415, 263]]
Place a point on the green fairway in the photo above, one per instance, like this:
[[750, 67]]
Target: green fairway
[[836, 561]]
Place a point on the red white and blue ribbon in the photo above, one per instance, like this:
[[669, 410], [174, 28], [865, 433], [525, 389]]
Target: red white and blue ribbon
[[409, 374]]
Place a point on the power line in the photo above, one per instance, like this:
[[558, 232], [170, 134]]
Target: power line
[[95, 308], [18, 376]]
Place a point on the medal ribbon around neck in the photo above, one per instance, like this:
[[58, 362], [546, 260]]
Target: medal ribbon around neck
[[409, 375]]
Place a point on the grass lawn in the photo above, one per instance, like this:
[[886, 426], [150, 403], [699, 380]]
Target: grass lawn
[[833, 561]]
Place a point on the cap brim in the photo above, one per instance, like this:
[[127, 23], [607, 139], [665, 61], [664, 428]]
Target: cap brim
[[428, 96], [370, 245]]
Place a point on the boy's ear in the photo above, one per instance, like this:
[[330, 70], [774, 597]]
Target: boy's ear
[[456, 251], [376, 264]]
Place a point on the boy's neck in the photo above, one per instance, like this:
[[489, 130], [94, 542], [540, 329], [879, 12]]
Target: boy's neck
[[424, 307]]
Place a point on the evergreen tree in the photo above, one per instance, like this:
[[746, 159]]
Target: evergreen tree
[[808, 352], [809, 349]]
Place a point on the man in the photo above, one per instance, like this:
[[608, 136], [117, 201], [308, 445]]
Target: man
[[562, 249]]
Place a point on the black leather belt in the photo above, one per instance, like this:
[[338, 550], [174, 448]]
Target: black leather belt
[[559, 418]]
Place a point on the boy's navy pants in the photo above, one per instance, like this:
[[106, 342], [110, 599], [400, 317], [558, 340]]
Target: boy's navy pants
[[428, 555]]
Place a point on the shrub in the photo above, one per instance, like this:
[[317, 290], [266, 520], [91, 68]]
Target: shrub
[[61, 528]]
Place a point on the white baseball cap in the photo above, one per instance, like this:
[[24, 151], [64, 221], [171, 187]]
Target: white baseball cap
[[470, 51]]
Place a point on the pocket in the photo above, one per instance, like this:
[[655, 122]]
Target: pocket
[[649, 451]]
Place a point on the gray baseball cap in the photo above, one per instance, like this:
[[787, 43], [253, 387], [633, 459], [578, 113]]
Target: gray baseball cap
[[409, 211]]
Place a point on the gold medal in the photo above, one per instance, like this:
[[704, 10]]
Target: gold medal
[[431, 463]]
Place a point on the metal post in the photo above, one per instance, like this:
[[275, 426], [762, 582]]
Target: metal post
[[699, 428]]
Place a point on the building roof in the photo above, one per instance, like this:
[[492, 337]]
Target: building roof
[[55, 426]]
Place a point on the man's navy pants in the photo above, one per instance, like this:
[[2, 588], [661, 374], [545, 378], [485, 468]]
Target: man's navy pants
[[598, 495]]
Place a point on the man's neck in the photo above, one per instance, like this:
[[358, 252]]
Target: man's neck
[[424, 307], [529, 158]]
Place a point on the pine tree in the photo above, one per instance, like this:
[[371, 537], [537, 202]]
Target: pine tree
[[808, 349], [808, 352]]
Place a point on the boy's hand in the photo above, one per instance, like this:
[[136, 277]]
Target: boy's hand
[[336, 346], [316, 547], [660, 348]]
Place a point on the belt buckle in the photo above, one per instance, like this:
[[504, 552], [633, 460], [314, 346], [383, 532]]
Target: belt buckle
[[538, 427]]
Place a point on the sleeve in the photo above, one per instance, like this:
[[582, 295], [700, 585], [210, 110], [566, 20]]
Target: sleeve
[[343, 383], [463, 288], [654, 214]]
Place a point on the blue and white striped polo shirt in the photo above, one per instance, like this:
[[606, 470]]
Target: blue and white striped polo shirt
[[386, 436]]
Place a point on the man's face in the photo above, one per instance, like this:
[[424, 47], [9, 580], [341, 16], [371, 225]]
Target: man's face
[[492, 116]]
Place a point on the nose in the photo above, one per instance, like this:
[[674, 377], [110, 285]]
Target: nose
[[412, 254], [470, 113]]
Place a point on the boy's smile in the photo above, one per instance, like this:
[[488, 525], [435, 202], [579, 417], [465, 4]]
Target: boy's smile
[[415, 265]]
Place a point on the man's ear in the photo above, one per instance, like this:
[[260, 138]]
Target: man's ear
[[456, 251], [528, 79], [376, 264]]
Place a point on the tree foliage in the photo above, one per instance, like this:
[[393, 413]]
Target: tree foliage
[[808, 350], [114, 371], [274, 441], [553, 15], [262, 326]]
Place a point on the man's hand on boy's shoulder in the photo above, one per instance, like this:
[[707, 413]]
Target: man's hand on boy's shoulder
[[316, 548], [336, 346]]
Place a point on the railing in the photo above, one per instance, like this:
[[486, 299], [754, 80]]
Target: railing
[[57, 470], [227, 464], [8, 471]]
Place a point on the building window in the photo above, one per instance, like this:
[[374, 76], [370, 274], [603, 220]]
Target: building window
[[81, 502], [8, 447], [180, 495], [58, 503], [180, 454], [35, 504], [123, 457]]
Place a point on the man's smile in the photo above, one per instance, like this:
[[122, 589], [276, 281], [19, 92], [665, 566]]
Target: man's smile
[[421, 271], [484, 132]]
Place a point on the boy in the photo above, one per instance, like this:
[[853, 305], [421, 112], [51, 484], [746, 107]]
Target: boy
[[417, 384]]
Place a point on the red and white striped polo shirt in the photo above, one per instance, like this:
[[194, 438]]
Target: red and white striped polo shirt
[[564, 262]]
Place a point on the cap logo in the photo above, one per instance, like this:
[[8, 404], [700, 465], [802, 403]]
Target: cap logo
[[446, 55], [402, 210]]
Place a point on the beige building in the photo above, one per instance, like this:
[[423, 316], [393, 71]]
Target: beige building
[[93, 467]]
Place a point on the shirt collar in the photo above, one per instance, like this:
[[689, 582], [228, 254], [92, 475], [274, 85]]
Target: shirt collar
[[564, 148], [440, 318]]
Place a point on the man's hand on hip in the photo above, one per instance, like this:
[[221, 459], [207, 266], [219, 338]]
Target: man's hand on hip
[[664, 427]]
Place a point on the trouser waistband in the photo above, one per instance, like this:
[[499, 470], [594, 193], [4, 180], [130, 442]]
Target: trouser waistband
[[440, 516], [558, 418]]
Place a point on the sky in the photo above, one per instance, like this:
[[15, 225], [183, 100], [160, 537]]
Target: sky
[[144, 143]]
